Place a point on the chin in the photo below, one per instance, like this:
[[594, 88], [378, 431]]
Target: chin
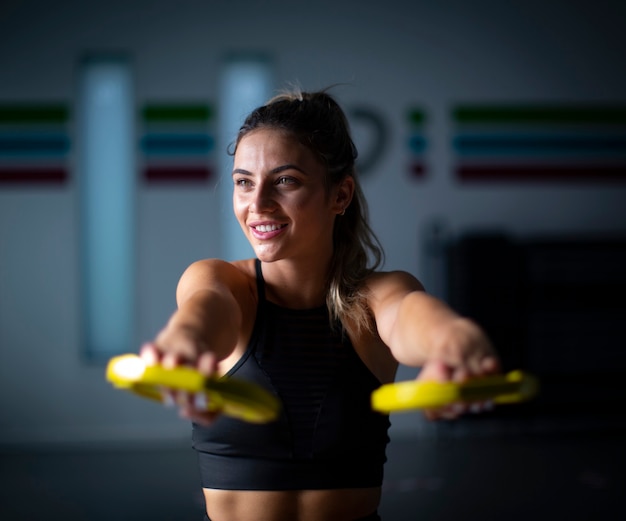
[[266, 256]]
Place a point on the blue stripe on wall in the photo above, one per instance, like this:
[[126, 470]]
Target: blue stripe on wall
[[164, 144], [35, 144], [505, 144], [417, 144]]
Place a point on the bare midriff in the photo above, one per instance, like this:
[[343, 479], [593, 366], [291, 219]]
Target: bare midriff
[[291, 505]]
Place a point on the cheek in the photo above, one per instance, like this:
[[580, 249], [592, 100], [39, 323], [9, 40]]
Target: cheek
[[313, 213], [239, 208], [316, 203]]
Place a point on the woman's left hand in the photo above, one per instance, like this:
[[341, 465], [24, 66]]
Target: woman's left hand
[[461, 351]]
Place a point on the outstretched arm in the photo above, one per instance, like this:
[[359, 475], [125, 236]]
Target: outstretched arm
[[422, 331], [206, 326]]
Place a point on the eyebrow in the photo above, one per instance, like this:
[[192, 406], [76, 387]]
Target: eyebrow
[[276, 170]]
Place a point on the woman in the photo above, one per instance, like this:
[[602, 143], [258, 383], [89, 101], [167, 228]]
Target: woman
[[312, 320]]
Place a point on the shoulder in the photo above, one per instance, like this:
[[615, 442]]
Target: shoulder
[[385, 292], [220, 269], [237, 277], [382, 285]]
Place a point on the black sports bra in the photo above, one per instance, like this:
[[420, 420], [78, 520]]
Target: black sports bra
[[326, 437]]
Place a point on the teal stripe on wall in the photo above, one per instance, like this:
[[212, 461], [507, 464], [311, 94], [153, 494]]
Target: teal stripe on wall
[[34, 143], [539, 144], [177, 142], [417, 142], [164, 144]]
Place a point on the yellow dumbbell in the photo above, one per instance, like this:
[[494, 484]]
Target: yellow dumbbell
[[233, 397], [513, 387]]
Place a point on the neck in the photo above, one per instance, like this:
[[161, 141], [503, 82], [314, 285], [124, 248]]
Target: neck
[[296, 284]]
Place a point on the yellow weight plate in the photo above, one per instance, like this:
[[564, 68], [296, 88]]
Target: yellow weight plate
[[512, 387], [236, 398]]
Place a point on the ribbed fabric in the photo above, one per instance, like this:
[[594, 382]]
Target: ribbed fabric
[[327, 436], [304, 357]]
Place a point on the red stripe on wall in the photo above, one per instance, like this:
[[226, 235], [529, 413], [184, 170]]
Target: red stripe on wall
[[33, 175], [177, 174], [417, 170], [541, 173]]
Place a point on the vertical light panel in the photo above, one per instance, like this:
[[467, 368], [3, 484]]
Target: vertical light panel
[[107, 190], [246, 82]]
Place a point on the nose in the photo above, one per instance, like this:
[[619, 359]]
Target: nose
[[263, 198]]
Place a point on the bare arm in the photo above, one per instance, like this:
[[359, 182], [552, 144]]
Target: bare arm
[[206, 327], [209, 313], [422, 331]]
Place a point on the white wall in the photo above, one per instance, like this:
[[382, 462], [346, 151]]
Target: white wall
[[426, 54]]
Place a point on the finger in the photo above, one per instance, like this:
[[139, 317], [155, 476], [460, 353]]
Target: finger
[[480, 366], [490, 365], [475, 407], [149, 354], [170, 360], [481, 407], [449, 412], [200, 401], [460, 375], [183, 399], [207, 364], [202, 417], [435, 370], [453, 411], [168, 397], [192, 401], [474, 366]]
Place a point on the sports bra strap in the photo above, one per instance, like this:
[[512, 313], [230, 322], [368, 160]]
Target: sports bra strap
[[260, 283]]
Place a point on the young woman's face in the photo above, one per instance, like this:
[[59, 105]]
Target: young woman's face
[[280, 198]]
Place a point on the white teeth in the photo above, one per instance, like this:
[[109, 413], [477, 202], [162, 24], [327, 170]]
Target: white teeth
[[267, 227]]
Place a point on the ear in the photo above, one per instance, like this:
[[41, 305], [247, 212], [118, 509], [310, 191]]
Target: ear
[[343, 195]]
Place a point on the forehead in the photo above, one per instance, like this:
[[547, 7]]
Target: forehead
[[274, 146]]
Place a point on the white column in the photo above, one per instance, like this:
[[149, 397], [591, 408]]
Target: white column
[[107, 186], [246, 82]]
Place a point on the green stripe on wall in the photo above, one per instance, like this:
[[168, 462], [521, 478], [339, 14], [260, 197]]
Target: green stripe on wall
[[416, 117], [176, 113], [13, 114], [538, 114]]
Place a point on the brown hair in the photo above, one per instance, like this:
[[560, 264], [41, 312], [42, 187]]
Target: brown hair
[[317, 121]]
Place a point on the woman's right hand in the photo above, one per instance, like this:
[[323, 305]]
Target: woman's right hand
[[203, 330], [204, 361]]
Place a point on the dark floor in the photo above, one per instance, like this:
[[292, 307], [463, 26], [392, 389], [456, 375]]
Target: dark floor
[[460, 474]]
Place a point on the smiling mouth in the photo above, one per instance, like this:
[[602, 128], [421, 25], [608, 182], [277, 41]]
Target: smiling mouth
[[264, 228]]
